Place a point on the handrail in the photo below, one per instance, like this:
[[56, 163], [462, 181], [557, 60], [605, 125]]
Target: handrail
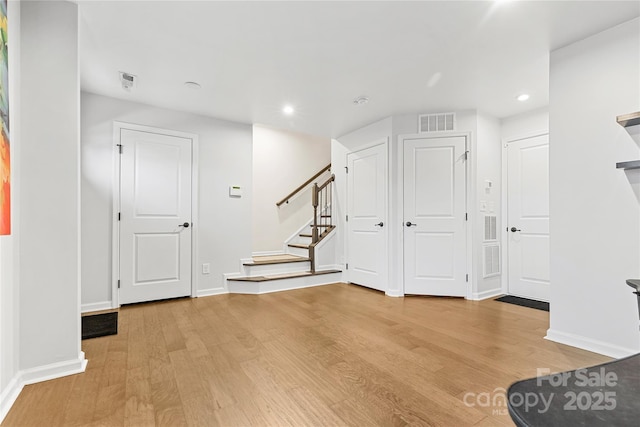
[[300, 188]]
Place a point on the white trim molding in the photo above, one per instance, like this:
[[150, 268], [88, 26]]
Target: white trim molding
[[96, 306], [504, 239], [491, 293], [9, 395], [115, 263], [36, 375], [267, 253], [212, 291], [589, 344]]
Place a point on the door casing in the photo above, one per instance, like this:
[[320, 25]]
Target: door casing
[[385, 143], [399, 261], [504, 235], [115, 257]]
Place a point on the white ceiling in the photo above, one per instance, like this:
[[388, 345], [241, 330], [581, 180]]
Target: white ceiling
[[253, 57]]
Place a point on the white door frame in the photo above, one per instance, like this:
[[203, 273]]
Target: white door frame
[[380, 141], [504, 235], [115, 257], [400, 206], [384, 142]]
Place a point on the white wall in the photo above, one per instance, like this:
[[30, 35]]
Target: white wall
[[485, 165], [9, 289], [525, 124], [488, 201], [595, 208], [49, 257], [283, 160], [225, 159]]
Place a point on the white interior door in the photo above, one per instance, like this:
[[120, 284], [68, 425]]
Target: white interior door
[[435, 216], [155, 220], [528, 217], [367, 211]]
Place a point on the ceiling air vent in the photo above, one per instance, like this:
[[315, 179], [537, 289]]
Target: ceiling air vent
[[128, 81], [436, 122]]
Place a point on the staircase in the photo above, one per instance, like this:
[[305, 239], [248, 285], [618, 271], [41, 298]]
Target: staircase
[[296, 267]]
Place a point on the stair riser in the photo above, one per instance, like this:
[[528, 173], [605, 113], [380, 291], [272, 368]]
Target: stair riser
[[298, 251], [283, 284], [302, 240], [268, 269]]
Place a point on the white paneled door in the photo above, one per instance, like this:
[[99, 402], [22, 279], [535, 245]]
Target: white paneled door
[[367, 211], [155, 216], [528, 217], [435, 216]]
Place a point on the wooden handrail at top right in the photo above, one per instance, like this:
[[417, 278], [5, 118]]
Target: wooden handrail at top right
[[301, 187]]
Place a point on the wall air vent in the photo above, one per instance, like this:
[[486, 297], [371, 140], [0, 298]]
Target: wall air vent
[[490, 231], [436, 122], [491, 255]]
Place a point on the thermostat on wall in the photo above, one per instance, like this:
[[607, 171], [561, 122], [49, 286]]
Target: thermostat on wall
[[235, 191]]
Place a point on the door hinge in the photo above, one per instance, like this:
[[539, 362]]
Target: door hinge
[[118, 216], [346, 168], [467, 278], [466, 216], [347, 218], [346, 266], [118, 283], [120, 148], [466, 155]]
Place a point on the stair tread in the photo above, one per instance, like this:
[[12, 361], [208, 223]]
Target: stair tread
[[322, 225], [281, 276], [298, 245], [305, 235], [276, 259]]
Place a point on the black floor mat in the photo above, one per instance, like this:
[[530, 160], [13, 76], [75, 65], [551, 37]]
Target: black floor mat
[[524, 302], [99, 325]]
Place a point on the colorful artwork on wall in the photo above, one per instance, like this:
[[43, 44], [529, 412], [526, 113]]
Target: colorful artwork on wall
[[5, 162]]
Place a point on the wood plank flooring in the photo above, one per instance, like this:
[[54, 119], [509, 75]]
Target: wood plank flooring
[[326, 356]]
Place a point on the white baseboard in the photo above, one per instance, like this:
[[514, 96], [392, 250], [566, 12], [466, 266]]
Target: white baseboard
[[211, 292], [36, 375], [96, 306], [394, 294], [330, 267], [53, 370], [9, 395], [270, 287], [479, 296], [267, 253], [589, 344]]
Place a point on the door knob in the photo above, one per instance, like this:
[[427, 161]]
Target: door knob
[[410, 224], [185, 225], [380, 224], [513, 229]]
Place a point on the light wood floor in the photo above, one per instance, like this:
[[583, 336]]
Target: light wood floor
[[331, 355]]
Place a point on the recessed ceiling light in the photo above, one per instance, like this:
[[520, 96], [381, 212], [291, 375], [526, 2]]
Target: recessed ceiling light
[[288, 110], [522, 97], [361, 100], [193, 85]]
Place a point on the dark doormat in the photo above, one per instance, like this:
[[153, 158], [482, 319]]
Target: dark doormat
[[99, 325], [524, 302]]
